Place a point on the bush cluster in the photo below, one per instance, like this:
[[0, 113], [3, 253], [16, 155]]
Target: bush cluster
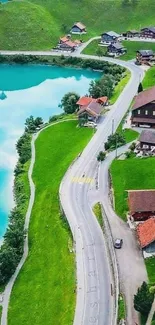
[[12, 248]]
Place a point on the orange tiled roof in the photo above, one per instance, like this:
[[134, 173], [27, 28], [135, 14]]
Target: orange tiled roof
[[103, 99], [84, 101], [70, 44], [146, 232], [64, 39]]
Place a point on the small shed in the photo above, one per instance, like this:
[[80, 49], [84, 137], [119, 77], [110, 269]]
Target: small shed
[[78, 28]]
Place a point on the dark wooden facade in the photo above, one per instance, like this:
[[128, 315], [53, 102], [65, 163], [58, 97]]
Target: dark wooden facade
[[144, 56], [144, 115], [116, 48], [148, 32]]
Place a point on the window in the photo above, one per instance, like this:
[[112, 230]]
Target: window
[[139, 111], [153, 112], [146, 112]]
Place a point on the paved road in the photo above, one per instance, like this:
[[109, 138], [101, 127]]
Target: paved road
[[94, 301], [132, 271]]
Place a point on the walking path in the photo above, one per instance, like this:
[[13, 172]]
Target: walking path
[[129, 257], [8, 288]]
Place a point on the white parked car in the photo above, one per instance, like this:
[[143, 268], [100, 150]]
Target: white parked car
[[91, 124]]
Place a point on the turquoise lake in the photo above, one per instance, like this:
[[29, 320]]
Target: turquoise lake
[[30, 90]]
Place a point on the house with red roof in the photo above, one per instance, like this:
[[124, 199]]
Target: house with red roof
[[91, 108], [78, 28], [146, 236], [66, 44], [141, 204], [143, 109]]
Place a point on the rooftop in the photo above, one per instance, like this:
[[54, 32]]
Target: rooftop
[[141, 200], [146, 232], [146, 52], [147, 136], [111, 33], [151, 29], [118, 46], [144, 97], [84, 101], [79, 25]]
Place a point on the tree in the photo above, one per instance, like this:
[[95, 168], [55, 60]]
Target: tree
[[101, 156], [68, 102], [38, 121], [30, 124], [114, 140], [8, 262], [140, 88], [102, 87], [143, 299]]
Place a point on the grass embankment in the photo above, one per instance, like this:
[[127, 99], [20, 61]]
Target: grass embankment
[[131, 174], [121, 308], [150, 265], [132, 47], [129, 134], [149, 79], [98, 213], [93, 48], [120, 86], [44, 290], [39, 27]]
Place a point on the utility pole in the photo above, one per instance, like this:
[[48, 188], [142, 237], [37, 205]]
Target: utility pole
[[112, 126], [116, 146]]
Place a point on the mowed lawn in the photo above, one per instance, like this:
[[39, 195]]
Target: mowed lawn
[[149, 79], [38, 24], [130, 174], [44, 291], [132, 47]]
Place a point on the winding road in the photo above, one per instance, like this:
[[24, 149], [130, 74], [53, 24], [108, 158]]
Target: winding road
[[95, 301]]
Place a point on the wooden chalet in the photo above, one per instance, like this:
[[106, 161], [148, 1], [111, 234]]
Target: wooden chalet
[[109, 37], [131, 33], [147, 140], [146, 236], [116, 49], [141, 204], [144, 56], [90, 109], [148, 32], [143, 110], [78, 28]]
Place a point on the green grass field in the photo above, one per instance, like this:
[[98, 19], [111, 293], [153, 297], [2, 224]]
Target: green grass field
[[132, 47], [37, 24], [98, 213], [120, 86], [93, 47], [150, 265], [121, 308], [131, 174], [44, 290], [149, 79]]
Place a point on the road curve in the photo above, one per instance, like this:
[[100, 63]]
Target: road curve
[[94, 301]]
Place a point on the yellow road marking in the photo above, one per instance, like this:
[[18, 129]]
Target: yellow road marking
[[86, 180]]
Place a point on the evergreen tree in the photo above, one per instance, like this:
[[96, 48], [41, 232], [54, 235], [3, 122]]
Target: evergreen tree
[[143, 299], [140, 88]]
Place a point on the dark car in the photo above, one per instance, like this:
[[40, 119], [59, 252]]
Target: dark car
[[118, 243]]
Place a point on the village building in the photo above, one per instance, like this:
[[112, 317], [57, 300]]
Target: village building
[[90, 108], [146, 236], [116, 49], [143, 110], [109, 37], [144, 56], [66, 44], [147, 140], [141, 204], [148, 32], [131, 33], [78, 28]]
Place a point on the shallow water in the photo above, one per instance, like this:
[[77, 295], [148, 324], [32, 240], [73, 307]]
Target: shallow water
[[30, 90]]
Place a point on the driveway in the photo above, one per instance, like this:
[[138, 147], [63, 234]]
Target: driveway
[[132, 271]]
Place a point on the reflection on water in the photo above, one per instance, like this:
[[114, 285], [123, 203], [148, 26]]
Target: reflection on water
[[35, 90]]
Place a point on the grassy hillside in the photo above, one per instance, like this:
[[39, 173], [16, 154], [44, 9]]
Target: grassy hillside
[[25, 25], [37, 24], [149, 79], [44, 292]]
